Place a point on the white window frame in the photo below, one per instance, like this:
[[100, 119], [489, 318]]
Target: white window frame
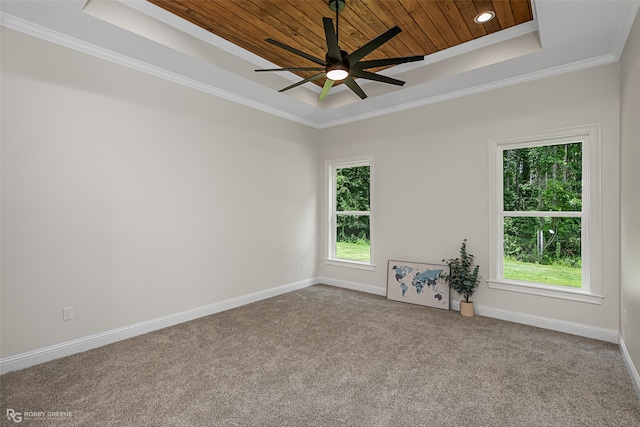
[[589, 136], [331, 168]]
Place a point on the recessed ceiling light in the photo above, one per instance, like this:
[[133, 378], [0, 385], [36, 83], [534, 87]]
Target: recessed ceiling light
[[483, 17]]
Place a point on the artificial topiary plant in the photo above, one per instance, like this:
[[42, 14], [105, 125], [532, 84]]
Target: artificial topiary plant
[[462, 278]]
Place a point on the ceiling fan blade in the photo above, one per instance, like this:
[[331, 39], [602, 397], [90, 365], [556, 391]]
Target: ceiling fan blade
[[363, 51], [377, 77], [297, 52], [387, 61], [308, 79], [332, 40], [294, 69], [325, 89], [355, 87]]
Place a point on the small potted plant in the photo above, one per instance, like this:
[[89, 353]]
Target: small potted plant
[[463, 278]]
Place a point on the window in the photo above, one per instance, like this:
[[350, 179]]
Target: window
[[349, 201], [544, 212]]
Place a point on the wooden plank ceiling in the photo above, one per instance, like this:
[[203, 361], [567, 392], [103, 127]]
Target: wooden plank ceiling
[[428, 26]]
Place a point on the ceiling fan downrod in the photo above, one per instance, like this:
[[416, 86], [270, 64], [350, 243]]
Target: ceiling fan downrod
[[337, 6], [337, 68]]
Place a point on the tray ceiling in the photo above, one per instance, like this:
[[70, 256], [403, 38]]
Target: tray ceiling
[[218, 48], [428, 26]]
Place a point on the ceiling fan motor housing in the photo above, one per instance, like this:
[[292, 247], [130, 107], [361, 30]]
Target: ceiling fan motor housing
[[344, 61]]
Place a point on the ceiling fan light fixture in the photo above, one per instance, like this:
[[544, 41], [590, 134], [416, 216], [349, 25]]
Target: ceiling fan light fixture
[[337, 72], [339, 65], [484, 17]]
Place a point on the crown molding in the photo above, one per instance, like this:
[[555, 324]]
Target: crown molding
[[288, 108], [549, 72], [35, 30], [624, 29]]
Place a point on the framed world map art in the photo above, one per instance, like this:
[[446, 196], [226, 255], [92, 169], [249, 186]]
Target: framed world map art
[[418, 283]]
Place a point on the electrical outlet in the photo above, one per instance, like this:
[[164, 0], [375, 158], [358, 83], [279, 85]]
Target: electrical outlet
[[67, 313], [624, 315], [301, 265]]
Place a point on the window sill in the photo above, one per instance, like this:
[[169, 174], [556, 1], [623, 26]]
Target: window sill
[[350, 264], [546, 291]]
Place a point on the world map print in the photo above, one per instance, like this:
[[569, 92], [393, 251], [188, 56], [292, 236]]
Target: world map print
[[417, 283]]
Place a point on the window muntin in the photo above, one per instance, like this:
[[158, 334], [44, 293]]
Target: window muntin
[[560, 221]]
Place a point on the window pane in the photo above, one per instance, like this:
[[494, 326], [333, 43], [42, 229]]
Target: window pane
[[352, 237], [352, 189], [544, 178], [543, 250]]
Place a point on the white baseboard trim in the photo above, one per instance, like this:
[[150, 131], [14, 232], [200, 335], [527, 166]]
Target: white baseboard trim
[[579, 329], [31, 358], [633, 372], [572, 328], [353, 286], [35, 357]]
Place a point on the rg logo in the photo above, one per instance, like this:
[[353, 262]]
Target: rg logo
[[14, 416]]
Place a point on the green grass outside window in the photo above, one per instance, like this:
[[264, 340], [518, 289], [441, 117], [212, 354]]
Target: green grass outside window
[[353, 251], [538, 273]]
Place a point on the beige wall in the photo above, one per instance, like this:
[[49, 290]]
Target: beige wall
[[630, 193], [431, 181], [131, 198]]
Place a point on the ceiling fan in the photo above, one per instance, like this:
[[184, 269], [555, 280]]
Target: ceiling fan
[[339, 65]]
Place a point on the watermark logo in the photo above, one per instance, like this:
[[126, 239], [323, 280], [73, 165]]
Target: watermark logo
[[17, 417], [14, 416]]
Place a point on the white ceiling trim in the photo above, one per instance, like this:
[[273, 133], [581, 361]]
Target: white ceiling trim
[[580, 65], [38, 31], [598, 36], [46, 34], [624, 29]]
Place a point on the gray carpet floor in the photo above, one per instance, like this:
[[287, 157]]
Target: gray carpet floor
[[324, 356]]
